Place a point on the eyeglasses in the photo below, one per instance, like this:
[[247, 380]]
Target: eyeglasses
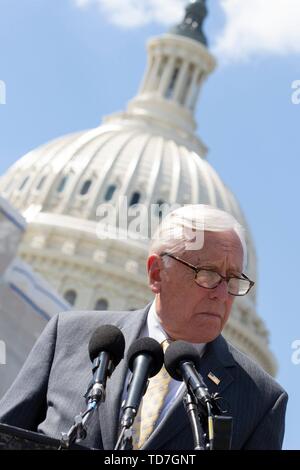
[[211, 279]]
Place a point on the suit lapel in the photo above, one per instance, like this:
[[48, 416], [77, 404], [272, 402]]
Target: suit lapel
[[216, 360], [109, 411]]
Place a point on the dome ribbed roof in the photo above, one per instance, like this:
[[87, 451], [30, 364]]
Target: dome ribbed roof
[[132, 159]]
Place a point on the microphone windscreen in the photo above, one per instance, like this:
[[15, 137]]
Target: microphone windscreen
[[177, 352], [147, 346], [110, 339]]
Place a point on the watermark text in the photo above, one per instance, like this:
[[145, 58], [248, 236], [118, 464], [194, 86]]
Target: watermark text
[[296, 354], [2, 92], [2, 352], [296, 93], [140, 222]]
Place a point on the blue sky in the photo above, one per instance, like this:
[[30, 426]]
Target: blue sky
[[65, 66]]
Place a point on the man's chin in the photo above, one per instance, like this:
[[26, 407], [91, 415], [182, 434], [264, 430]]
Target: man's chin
[[205, 331], [203, 337]]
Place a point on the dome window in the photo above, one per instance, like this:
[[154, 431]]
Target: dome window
[[23, 184], [110, 192], [41, 183], [158, 209], [135, 198], [171, 86], [188, 84], [101, 304], [85, 187], [70, 296], [62, 184]]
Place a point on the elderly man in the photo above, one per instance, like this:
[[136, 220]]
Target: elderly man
[[195, 269]]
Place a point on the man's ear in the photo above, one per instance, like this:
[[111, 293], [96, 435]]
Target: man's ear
[[154, 268]]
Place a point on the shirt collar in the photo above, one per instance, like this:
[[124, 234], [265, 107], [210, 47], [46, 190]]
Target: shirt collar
[[156, 331]]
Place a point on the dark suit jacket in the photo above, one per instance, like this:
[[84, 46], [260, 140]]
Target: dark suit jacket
[[49, 390]]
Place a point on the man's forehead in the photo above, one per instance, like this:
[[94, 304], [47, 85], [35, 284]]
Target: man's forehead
[[201, 239], [215, 254], [213, 244], [205, 258]]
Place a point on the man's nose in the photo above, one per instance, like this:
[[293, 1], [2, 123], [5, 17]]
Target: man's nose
[[221, 291]]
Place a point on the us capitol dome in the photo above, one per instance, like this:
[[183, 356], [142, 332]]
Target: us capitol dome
[[149, 154]]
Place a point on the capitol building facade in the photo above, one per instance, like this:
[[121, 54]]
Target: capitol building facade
[[149, 155]]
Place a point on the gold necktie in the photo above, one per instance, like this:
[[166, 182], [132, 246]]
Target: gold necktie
[[151, 405]]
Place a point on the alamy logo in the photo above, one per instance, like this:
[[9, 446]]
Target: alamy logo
[[2, 92], [140, 222], [2, 352], [296, 354], [296, 93]]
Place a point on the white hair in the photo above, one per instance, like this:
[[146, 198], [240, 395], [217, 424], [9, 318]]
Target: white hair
[[183, 229]]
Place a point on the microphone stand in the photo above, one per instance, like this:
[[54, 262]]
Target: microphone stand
[[191, 407], [125, 439], [208, 415], [78, 431]]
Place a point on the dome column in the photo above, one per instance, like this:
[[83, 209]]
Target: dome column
[[147, 74], [167, 75], [151, 80]]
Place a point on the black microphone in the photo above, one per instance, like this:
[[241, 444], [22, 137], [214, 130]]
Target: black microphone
[[145, 359], [106, 349], [182, 361]]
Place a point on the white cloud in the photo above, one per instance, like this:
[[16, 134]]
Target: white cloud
[[133, 13], [252, 27], [82, 3], [256, 27]]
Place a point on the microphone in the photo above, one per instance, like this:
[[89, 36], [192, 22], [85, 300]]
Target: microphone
[[182, 361], [106, 349], [145, 359]]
